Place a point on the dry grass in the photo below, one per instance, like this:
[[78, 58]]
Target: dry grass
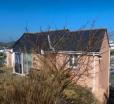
[[43, 87]]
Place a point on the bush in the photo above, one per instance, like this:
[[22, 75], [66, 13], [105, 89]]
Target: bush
[[45, 87], [80, 95]]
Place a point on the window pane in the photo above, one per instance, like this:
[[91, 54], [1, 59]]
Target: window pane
[[73, 60]]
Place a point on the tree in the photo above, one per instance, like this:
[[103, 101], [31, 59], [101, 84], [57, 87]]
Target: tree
[[53, 82]]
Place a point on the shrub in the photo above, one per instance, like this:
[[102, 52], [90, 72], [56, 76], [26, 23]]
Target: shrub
[[45, 87], [80, 95]]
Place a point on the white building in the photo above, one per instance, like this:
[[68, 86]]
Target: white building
[[9, 55], [111, 43]]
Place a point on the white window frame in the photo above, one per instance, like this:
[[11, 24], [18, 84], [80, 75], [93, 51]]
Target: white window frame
[[14, 72], [73, 61]]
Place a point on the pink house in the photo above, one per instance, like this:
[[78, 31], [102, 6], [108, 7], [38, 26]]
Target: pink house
[[84, 49]]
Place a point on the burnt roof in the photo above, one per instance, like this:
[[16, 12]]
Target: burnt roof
[[61, 40]]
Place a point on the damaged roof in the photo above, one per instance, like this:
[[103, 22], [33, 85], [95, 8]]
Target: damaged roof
[[61, 40]]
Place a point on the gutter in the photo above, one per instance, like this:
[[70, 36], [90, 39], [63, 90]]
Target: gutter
[[109, 76], [75, 52]]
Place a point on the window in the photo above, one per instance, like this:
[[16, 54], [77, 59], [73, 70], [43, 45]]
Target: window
[[73, 61], [18, 64]]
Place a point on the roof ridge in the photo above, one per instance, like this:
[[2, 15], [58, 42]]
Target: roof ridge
[[81, 30], [46, 31]]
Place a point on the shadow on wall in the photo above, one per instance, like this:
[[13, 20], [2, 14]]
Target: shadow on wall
[[111, 97]]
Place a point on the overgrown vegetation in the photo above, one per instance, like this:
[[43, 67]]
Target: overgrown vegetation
[[52, 83], [45, 87]]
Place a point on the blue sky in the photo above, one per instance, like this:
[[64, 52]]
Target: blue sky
[[15, 15]]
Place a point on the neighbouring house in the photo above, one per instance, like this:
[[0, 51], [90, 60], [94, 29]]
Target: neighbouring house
[[91, 45], [111, 43], [8, 54]]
